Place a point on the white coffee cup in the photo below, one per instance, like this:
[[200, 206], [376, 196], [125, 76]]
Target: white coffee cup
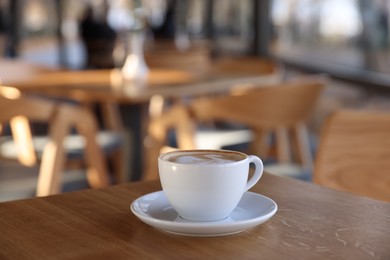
[[206, 185]]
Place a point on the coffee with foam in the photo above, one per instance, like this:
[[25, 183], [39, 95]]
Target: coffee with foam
[[204, 157], [206, 185]]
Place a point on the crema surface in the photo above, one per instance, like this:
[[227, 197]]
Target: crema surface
[[204, 158]]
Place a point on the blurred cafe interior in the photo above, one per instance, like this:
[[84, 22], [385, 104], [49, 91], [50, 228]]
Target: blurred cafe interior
[[92, 91]]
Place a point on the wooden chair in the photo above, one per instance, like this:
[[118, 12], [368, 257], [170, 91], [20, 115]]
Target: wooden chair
[[280, 110], [111, 133], [61, 118], [354, 154]]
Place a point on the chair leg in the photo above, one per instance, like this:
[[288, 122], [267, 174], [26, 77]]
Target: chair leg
[[111, 116], [152, 151], [23, 139], [260, 145], [303, 142], [53, 160], [97, 173], [283, 147]]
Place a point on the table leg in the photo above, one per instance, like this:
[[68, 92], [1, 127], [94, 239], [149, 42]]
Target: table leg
[[133, 122]]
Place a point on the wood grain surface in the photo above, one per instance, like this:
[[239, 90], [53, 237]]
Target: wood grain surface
[[312, 223]]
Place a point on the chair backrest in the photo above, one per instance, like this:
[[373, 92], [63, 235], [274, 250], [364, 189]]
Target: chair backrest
[[285, 104], [354, 153], [265, 110], [280, 110], [61, 118]]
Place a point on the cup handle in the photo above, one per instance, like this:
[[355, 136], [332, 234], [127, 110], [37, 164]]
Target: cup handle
[[258, 171]]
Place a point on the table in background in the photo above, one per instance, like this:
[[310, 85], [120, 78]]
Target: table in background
[[107, 86], [312, 222]]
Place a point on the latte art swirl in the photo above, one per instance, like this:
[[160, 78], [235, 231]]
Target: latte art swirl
[[204, 158]]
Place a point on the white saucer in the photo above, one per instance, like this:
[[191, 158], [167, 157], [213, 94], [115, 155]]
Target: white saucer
[[155, 210]]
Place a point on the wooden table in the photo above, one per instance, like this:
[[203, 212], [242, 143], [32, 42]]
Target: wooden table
[[163, 79], [12, 70], [107, 86], [312, 223]]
